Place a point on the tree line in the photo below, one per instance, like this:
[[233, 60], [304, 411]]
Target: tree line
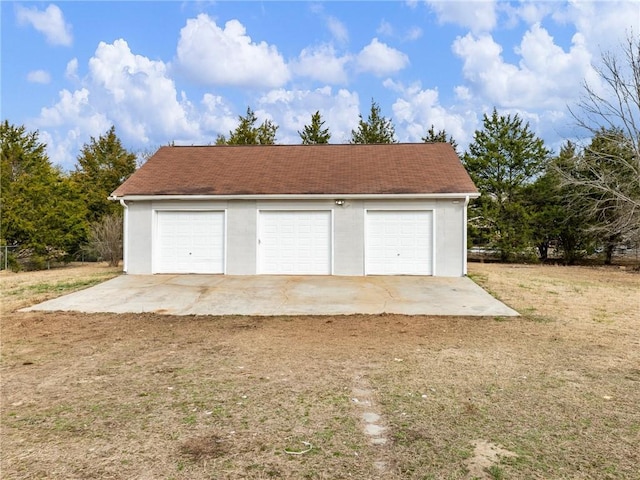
[[49, 215], [576, 202], [375, 129]]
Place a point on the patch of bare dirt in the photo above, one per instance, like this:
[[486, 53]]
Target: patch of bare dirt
[[485, 456]]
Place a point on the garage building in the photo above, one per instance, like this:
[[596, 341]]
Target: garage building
[[397, 209]]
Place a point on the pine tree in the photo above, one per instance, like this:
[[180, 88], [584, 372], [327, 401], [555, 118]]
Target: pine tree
[[246, 133], [314, 133], [42, 211], [103, 164], [439, 137], [376, 129], [503, 158]]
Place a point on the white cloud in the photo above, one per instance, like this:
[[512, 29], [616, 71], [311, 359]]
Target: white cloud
[[60, 143], [531, 11], [139, 93], [216, 117], [215, 56], [410, 34], [73, 108], [322, 63], [292, 110], [316, 8], [385, 28], [50, 22], [71, 71], [380, 59], [557, 69], [68, 124], [414, 33], [462, 93], [476, 15], [39, 76], [129, 91], [417, 109], [338, 30], [604, 25], [546, 75]]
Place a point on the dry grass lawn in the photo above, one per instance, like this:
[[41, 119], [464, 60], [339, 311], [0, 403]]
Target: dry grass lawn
[[554, 394]]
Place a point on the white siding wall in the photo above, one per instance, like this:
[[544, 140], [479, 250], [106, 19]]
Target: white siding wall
[[348, 231]]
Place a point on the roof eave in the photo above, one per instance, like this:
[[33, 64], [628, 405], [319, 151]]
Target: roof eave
[[324, 196]]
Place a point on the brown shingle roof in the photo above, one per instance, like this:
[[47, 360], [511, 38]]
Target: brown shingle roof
[[417, 168]]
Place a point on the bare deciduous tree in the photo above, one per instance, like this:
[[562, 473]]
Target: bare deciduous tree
[[146, 153], [105, 239], [607, 172]]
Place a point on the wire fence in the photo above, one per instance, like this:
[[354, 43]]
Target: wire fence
[[5, 250]]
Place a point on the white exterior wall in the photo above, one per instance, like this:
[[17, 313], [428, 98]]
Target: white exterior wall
[[348, 238], [139, 239], [348, 243], [242, 231], [450, 241]]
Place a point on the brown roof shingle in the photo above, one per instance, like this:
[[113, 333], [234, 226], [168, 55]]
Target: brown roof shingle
[[416, 168]]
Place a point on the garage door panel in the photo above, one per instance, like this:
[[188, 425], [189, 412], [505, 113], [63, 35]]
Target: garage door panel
[[399, 242], [190, 242], [295, 242]]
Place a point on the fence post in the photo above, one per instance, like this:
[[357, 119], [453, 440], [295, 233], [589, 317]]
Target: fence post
[[4, 255]]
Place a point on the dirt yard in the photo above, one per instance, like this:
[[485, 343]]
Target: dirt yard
[[553, 394]]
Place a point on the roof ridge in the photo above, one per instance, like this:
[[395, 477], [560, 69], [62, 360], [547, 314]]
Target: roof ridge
[[311, 145]]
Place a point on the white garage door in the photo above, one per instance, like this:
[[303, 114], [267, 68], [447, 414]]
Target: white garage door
[[190, 242], [295, 242], [399, 242]]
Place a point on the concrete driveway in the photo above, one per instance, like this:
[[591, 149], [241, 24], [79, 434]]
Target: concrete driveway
[[281, 295]]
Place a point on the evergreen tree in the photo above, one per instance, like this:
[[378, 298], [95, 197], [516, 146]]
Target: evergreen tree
[[21, 154], [502, 159], [246, 133], [554, 221], [314, 133], [42, 211], [376, 129], [439, 137], [562, 216], [267, 133], [103, 164], [546, 212]]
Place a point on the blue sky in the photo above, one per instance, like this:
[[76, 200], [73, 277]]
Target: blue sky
[[182, 72]]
